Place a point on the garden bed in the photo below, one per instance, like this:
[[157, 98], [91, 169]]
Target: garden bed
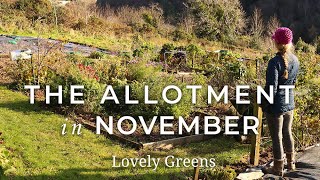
[[140, 140], [9, 43]]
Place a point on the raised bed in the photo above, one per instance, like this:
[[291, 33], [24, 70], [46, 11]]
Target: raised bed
[[155, 141], [162, 144]]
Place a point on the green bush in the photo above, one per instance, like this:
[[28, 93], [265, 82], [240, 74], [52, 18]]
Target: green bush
[[306, 121], [196, 57], [80, 25], [35, 9], [255, 42], [167, 47], [156, 85], [179, 35], [96, 55], [218, 20], [317, 44], [304, 47], [228, 70], [110, 70], [60, 69], [93, 90], [149, 19], [174, 57], [141, 71], [219, 173]]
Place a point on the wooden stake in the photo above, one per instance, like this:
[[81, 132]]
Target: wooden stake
[[196, 171], [256, 138]]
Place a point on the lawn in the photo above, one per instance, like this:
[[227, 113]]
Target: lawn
[[38, 151]]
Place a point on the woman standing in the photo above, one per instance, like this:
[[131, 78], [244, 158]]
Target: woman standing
[[282, 70]]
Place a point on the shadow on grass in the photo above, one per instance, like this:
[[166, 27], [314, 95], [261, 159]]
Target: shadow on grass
[[6, 84], [93, 174], [225, 150], [216, 145], [25, 107]]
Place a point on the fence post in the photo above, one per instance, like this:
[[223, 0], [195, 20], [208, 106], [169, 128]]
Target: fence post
[[256, 138], [196, 171]]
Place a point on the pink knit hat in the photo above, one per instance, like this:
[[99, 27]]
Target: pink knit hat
[[283, 35]]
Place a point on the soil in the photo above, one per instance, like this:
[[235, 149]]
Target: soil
[[265, 157]]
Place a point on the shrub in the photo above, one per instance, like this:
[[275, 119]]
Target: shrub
[[35, 9], [307, 123], [219, 173], [78, 75], [228, 71], [80, 25], [179, 35], [146, 28], [150, 20], [220, 19], [96, 25], [166, 48], [304, 47], [196, 54], [317, 44], [141, 71], [96, 55], [156, 85], [202, 95], [255, 42]]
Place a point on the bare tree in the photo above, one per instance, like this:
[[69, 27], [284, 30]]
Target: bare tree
[[256, 21], [313, 32], [187, 22], [272, 25]]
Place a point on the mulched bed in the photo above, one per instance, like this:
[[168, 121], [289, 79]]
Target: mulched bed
[[265, 157]]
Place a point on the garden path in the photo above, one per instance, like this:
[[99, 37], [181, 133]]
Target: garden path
[[308, 167]]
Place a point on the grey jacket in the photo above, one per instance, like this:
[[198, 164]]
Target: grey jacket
[[274, 77]]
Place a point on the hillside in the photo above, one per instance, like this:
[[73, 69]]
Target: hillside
[[301, 16]]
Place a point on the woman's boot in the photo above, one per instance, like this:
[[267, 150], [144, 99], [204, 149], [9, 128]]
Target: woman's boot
[[291, 161], [277, 169]]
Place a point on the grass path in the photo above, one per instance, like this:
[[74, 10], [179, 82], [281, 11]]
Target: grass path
[[38, 151]]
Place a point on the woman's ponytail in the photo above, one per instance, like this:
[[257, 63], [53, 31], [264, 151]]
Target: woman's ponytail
[[284, 50]]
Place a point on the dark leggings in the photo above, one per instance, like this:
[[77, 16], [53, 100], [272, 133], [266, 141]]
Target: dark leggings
[[280, 126]]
